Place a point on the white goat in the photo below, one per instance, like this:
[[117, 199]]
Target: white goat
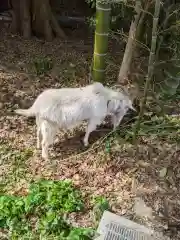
[[68, 107]]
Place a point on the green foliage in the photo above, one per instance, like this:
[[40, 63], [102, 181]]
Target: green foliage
[[171, 81], [157, 127], [166, 128], [7, 153], [168, 51], [52, 223], [11, 209], [41, 214], [100, 205], [121, 15], [81, 234], [54, 195], [42, 65], [91, 3], [91, 21], [16, 168], [107, 146]]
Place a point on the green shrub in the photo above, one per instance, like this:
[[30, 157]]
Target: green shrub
[[42, 213]]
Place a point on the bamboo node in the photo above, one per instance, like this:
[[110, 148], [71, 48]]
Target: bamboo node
[[101, 34], [100, 54], [99, 70], [103, 9]]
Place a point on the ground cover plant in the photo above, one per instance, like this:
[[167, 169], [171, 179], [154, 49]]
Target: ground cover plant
[[42, 213]]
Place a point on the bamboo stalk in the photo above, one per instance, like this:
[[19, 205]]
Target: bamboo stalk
[[150, 66], [142, 19], [101, 40]]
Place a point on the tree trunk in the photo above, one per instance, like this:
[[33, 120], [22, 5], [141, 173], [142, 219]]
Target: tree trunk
[[58, 31], [25, 18], [126, 63], [101, 40], [32, 16], [16, 21], [46, 19]]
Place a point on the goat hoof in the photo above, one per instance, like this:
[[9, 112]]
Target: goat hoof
[[86, 144]]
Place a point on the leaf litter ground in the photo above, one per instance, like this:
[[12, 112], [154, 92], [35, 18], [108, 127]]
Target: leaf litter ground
[[128, 177]]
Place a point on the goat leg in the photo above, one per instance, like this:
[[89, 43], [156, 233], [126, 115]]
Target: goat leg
[[90, 128]]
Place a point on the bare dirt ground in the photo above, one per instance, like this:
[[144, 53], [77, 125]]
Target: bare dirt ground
[[126, 176]]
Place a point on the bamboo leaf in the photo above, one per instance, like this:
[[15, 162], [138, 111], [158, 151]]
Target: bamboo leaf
[[177, 77], [168, 90], [171, 83]]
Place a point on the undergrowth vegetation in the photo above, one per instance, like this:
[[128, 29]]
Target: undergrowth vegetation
[[15, 165], [162, 128], [42, 65], [43, 213]]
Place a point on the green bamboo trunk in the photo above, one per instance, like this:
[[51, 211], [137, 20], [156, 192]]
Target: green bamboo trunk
[[101, 40]]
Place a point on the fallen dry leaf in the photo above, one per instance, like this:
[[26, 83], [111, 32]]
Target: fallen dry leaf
[[142, 163], [163, 172], [141, 210]]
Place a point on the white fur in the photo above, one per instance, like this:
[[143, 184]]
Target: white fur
[[66, 108], [118, 108]]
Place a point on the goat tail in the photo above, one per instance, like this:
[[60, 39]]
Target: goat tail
[[25, 112]]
